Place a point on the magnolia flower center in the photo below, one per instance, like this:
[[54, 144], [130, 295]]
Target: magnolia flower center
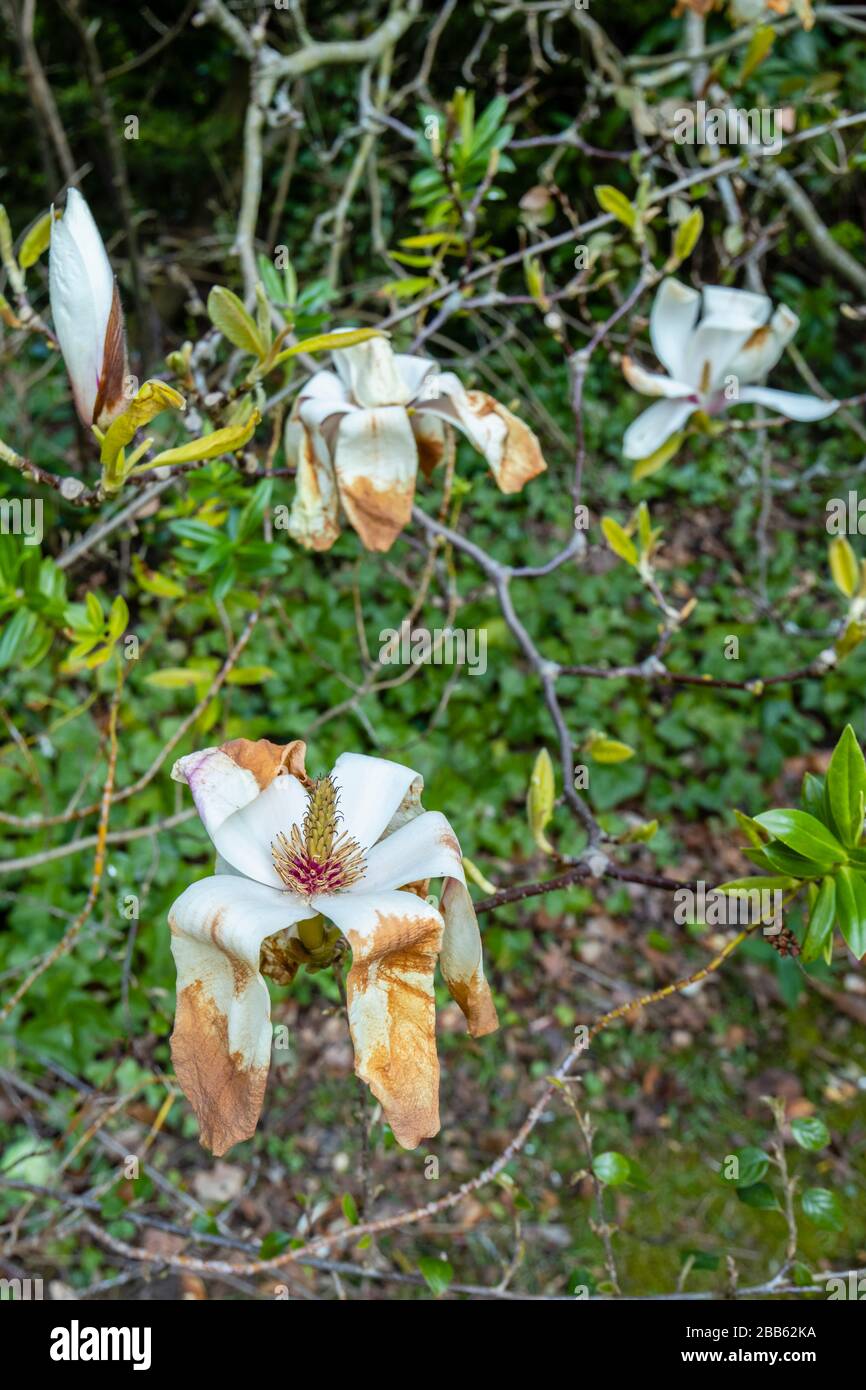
[[318, 860]]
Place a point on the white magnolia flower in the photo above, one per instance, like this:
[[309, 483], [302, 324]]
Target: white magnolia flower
[[357, 435], [291, 852], [731, 347], [88, 319]]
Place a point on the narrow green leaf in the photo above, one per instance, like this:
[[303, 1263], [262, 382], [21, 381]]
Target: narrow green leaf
[[851, 909], [845, 787], [804, 834], [821, 920]]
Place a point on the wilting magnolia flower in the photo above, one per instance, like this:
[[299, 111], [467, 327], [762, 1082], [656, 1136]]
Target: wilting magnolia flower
[[88, 319], [354, 848], [357, 435], [731, 347]]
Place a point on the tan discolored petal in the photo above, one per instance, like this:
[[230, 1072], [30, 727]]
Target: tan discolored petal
[[395, 938], [221, 1042], [461, 961], [435, 441], [376, 462], [110, 398], [314, 520], [511, 449]]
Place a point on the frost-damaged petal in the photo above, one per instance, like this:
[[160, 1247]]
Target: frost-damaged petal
[[376, 461], [672, 318], [434, 440], [110, 398], [765, 346], [425, 847], [221, 1042], [370, 791], [224, 779], [650, 430], [372, 374], [314, 521], [790, 403], [509, 446], [395, 938], [460, 960], [651, 384]]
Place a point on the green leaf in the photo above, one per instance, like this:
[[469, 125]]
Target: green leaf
[[227, 313], [757, 882], [752, 1164], [687, 234], [804, 834], [437, 1273], [274, 1243], [821, 920], [611, 1168], [177, 678], [846, 787], [843, 566], [810, 1133], [653, 463], [617, 204], [760, 45], [775, 855], [822, 1208], [249, 675], [350, 1209], [812, 796], [608, 750], [35, 242], [754, 833], [540, 798], [760, 1196], [118, 618], [619, 541], [851, 909]]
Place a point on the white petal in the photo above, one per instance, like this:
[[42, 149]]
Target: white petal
[[711, 350], [395, 939], [426, 847], [323, 396], [415, 371], [224, 779], [672, 318], [370, 790], [460, 960], [372, 374], [650, 430], [245, 838], [651, 384], [81, 288], [765, 346], [790, 403], [738, 307], [376, 462], [221, 1042]]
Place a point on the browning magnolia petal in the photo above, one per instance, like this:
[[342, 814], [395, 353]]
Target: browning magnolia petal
[[355, 849]]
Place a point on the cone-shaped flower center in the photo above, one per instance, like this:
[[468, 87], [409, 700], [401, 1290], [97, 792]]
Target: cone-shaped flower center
[[320, 860]]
